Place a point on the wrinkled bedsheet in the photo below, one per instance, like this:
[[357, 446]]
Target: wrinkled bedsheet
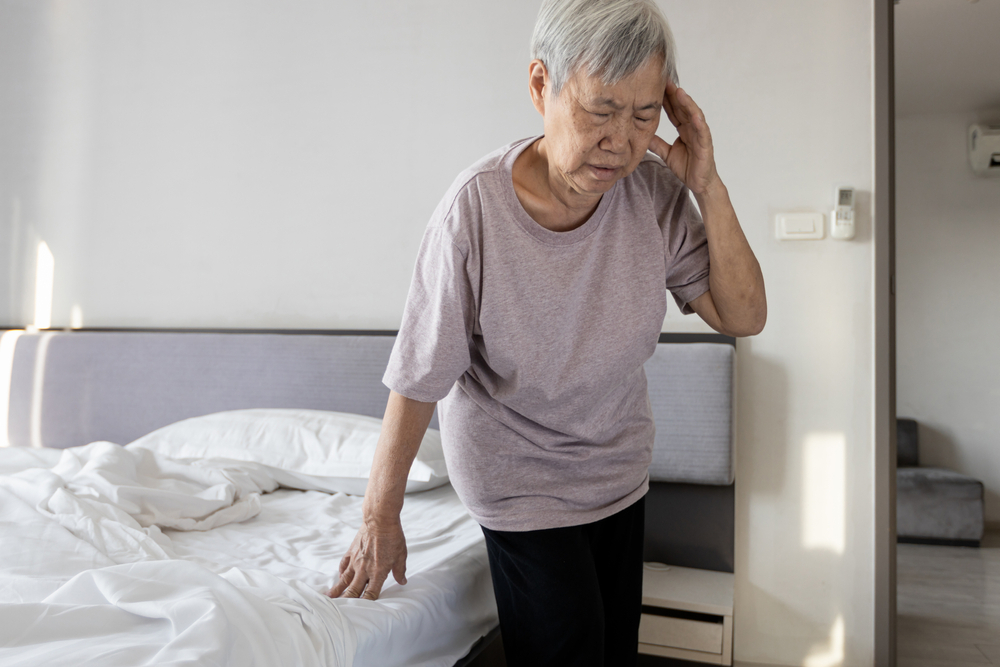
[[113, 556]]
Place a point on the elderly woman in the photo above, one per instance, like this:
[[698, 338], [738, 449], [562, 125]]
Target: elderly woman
[[538, 294]]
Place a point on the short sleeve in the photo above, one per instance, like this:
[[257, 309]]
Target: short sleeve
[[432, 348], [685, 247]]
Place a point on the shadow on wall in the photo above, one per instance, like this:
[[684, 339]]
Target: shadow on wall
[[937, 447], [812, 468]]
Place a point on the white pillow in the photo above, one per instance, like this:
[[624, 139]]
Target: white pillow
[[309, 449]]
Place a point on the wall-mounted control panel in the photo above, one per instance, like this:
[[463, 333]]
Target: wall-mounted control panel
[[811, 225], [799, 226], [842, 217]]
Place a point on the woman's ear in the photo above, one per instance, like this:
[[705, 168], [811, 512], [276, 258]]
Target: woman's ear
[[538, 84]]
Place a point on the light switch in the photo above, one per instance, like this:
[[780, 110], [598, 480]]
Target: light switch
[[800, 226]]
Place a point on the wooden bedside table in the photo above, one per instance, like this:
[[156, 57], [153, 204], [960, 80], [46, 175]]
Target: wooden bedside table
[[687, 614]]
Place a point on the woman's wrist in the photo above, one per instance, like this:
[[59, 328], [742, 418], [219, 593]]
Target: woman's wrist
[[382, 505], [714, 197]]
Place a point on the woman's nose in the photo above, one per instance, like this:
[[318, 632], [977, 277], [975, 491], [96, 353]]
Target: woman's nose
[[617, 138]]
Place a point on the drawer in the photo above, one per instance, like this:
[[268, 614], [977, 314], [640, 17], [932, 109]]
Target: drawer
[[682, 633]]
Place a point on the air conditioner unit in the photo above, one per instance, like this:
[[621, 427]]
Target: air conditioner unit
[[984, 149]]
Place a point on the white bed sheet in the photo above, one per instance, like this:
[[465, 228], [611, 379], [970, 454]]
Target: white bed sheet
[[84, 581]]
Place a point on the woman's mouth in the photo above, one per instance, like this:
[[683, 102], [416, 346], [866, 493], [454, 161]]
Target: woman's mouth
[[604, 172]]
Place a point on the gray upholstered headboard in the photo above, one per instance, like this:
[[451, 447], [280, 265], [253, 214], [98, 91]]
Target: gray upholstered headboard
[[691, 519], [72, 388], [692, 393]]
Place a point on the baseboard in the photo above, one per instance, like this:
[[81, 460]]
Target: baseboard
[[936, 542]]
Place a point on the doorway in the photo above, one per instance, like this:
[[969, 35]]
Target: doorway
[[947, 238]]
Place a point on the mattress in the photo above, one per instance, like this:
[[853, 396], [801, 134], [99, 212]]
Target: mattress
[[101, 566]]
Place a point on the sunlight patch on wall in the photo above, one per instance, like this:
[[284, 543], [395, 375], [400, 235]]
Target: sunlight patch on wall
[[45, 271], [832, 654], [8, 341], [37, 385], [76, 317], [824, 491]]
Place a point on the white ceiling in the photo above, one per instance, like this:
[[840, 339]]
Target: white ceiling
[[947, 56]]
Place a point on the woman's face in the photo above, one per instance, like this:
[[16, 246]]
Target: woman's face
[[596, 133]]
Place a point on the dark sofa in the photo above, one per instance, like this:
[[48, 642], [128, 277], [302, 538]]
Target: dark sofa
[[934, 505]]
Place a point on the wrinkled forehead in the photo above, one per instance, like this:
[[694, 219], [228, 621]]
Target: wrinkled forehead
[[642, 87]]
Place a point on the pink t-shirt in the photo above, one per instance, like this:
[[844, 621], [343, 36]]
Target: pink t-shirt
[[534, 341]]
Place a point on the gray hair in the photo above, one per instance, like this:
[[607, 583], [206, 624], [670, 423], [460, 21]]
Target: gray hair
[[611, 38]]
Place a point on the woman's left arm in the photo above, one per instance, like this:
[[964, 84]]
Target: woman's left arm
[[735, 303]]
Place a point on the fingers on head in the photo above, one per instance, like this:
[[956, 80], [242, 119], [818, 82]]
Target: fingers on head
[[687, 107], [671, 115], [704, 133], [698, 118], [692, 108]]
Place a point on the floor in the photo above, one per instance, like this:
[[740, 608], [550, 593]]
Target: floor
[[948, 605]]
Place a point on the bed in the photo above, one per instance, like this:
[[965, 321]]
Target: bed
[[158, 552]]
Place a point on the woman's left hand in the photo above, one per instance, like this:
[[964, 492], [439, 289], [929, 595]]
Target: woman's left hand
[[691, 156]]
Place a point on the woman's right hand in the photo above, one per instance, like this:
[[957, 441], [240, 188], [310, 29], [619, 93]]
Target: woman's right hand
[[378, 548]]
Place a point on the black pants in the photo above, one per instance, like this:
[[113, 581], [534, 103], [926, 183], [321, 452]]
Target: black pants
[[570, 596]]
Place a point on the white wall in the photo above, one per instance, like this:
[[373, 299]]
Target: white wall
[[20, 76], [251, 164], [791, 120], [948, 278]]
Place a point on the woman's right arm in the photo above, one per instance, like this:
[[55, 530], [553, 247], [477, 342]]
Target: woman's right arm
[[380, 547]]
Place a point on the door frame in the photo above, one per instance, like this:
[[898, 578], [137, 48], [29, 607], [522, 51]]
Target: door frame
[[884, 236]]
